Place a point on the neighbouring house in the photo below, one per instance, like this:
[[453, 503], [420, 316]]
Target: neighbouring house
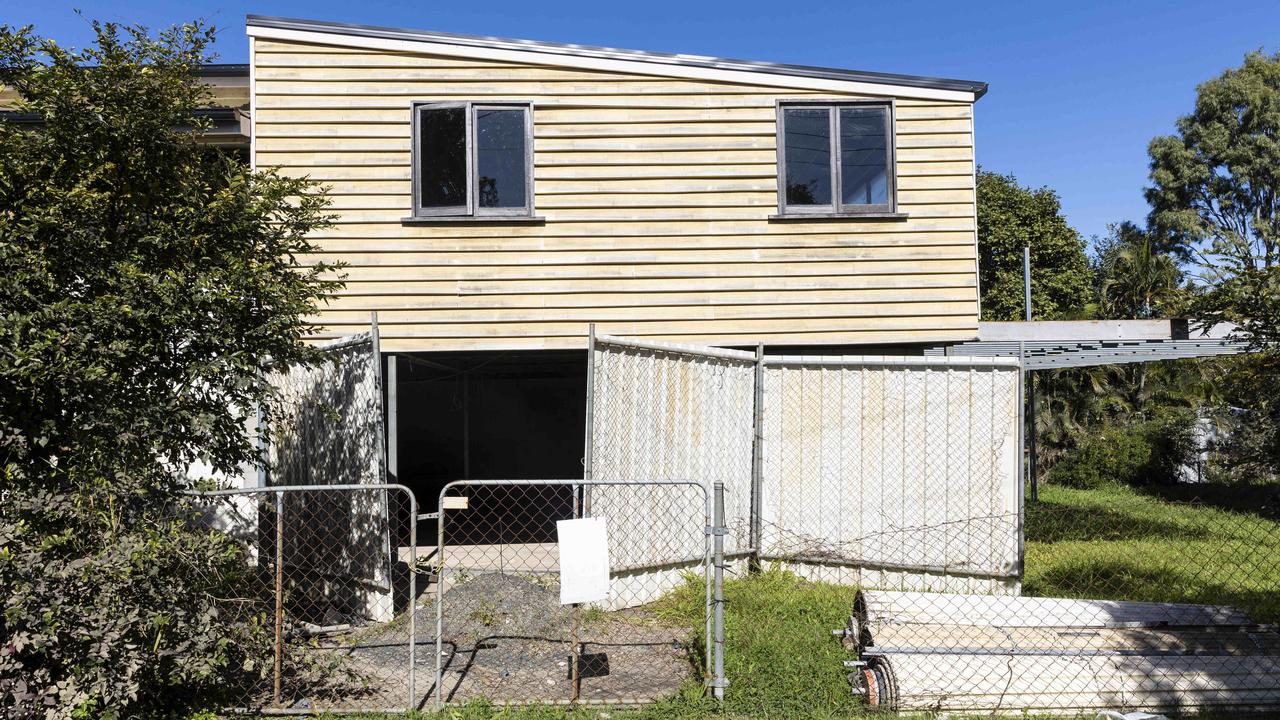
[[493, 197], [228, 114]]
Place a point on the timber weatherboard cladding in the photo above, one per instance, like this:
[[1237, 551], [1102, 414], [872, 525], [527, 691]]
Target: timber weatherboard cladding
[[654, 195]]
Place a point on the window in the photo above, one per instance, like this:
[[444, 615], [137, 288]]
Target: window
[[471, 160], [835, 159]]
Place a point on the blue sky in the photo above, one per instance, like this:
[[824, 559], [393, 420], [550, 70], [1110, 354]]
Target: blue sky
[[1078, 89]]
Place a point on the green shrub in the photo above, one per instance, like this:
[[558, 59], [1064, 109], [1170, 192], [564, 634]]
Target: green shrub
[[149, 282], [1147, 452]]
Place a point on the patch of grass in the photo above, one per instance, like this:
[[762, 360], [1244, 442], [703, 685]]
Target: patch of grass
[[594, 616], [780, 657], [1115, 542], [486, 614]]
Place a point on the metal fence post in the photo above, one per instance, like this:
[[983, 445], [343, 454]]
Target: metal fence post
[[413, 601], [393, 419], [1022, 459], [718, 681], [440, 518], [279, 658], [575, 670], [757, 463], [1030, 379], [1031, 436], [708, 560], [588, 450]]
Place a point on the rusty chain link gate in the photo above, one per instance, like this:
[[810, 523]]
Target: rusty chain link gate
[[329, 547], [315, 594]]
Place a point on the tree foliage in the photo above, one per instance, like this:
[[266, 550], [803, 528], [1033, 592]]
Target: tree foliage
[[1215, 189], [149, 283], [1010, 217], [1137, 278]]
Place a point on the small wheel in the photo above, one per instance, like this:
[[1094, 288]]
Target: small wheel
[[870, 687]]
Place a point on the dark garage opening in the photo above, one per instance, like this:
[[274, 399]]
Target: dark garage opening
[[489, 416]]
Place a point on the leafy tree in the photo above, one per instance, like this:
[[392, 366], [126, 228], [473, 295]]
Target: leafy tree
[[1010, 217], [149, 282], [1137, 278], [1215, 189]]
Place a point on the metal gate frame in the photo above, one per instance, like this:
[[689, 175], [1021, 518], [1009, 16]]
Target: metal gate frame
[[279, 493], [711, 561]]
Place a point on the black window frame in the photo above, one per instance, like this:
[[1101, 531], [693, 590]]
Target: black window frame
[[836, 208], [471, 210]]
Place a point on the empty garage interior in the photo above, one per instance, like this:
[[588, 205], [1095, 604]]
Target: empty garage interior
[[486, 416]]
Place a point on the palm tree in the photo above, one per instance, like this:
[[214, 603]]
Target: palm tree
[[1140, 281]]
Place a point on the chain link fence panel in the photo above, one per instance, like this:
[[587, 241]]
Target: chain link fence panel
[[326, 598], [504, 634], [895, 473], [674, 412], [327, 426], [902, 477]]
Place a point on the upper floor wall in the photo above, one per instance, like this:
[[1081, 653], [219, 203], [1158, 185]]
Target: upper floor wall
[[654, 196]]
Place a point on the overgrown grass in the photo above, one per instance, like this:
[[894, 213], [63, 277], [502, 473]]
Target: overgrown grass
[[780, 657], [1115, 542]]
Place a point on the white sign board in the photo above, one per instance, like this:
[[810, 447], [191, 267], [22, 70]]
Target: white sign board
[[584, 560]]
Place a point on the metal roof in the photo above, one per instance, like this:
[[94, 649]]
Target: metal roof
[[1047, 345], [1053, 355], [222, 70], [336, 28]]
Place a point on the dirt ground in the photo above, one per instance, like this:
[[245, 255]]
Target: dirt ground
[[506, 638]]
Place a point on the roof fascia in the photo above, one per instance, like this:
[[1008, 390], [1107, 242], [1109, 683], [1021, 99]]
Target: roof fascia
[[642, 67]]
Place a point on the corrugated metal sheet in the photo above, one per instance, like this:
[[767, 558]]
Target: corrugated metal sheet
[[1075, 684], [1048, 355]]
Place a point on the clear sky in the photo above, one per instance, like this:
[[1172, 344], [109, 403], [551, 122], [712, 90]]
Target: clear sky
[[1078, 89]]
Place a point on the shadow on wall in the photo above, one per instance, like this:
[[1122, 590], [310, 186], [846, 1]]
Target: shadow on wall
[[340, 559]]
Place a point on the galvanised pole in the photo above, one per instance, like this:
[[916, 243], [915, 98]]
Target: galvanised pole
[[718, 681]]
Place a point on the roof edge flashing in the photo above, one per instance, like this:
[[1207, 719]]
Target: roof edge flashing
[[976, 88]]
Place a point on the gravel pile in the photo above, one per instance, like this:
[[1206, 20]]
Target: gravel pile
[[509, 639]]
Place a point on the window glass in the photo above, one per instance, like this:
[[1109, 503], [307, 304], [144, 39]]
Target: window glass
[[442, 156], [807, 135], [864, 172], [500, 158]]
